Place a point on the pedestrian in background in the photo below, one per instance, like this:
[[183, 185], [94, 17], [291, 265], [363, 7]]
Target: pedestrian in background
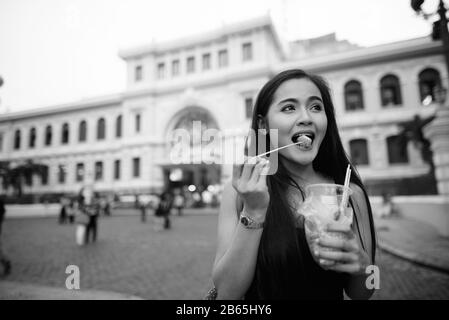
[[179, 201], [71, 211], [63, 211], [143, 212], [93, 212], [6, 263], [164, 208]]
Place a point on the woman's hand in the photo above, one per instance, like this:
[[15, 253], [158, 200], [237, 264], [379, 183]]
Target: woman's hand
[[346, 255], [249, 180]]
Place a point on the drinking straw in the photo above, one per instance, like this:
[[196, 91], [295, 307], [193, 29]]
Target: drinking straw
[[344, 200]]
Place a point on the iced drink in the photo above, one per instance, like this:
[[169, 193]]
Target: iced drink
[[322, 206]]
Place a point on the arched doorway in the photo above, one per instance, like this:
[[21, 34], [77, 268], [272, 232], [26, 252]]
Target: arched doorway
[[192, 172]]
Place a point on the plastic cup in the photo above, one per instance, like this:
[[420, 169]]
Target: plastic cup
[[321, 207]]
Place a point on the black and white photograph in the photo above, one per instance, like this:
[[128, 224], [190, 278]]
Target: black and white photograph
[[237, 150]]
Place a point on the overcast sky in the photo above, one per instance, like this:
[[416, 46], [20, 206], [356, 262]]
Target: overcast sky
[[54, 51]]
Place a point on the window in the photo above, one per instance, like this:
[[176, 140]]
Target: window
[[138, 73], [98, 170], [222, 58], [359, 151], [101, 128], [247, 51], [48, 135], [137, 122], [82, 131], [65, 133], [190, 64], [136, 167], [397, 151], [44, 175], [248, 107], [32, 140], [117, 169], [118, 126], [206, 61], [79, 174], [390, 90], [353, 96], [175, 68], [29, 179], [429, 82], [161, 70], [17, 140], [62, 173]]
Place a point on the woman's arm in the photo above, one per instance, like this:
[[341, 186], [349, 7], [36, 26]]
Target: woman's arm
[[237, 246]]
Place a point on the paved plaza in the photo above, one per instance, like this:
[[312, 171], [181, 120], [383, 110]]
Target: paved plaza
[[129, 257]]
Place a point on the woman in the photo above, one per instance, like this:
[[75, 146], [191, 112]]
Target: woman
[[263, 252]]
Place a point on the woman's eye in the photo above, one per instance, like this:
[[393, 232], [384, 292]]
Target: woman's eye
[[288, 107], [316, 107]]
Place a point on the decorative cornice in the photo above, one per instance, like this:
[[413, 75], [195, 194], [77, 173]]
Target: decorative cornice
[[63, 108]]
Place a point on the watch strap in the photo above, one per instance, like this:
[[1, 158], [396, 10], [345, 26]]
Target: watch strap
[[250, 223]]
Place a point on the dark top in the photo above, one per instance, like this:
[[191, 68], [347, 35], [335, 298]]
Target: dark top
[[317, 283]]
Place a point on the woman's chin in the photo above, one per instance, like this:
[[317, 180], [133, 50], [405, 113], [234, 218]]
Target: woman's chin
[[302, 158]]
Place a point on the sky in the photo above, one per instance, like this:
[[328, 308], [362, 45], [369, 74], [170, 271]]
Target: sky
[[58, 51]]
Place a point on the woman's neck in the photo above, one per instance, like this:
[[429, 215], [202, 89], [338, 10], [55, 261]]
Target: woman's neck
[[303, 175]]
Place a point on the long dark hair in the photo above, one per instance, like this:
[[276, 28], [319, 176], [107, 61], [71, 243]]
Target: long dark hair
[[279, 249]]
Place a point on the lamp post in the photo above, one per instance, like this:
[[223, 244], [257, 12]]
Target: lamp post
[[437, 131], [440, 30]]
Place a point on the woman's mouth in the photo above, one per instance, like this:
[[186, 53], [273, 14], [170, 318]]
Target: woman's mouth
[[304, 140]]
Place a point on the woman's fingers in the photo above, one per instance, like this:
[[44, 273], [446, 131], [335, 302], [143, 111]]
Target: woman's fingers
[[338, 227], [336, 256], [257, 171], [353, 268], [339, 244]]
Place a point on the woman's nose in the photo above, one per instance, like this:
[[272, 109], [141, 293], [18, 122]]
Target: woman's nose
[[303, 118]]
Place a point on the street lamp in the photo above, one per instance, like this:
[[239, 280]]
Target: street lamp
[[439, 30]]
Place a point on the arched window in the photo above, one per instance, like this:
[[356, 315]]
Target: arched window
[[359, 151], [32, 138], [65, 133], [390, 90], [82, 131], [429, 81], [48, 135], [101, 129], [353, 95], [118, 126], [17, 140], [397, 151]]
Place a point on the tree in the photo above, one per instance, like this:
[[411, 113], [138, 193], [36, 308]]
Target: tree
[[412, 131], [15, 176]]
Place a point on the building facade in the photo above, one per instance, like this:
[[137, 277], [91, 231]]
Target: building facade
[[123, 143]]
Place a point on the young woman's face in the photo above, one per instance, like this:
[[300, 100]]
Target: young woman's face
[[298, 110]]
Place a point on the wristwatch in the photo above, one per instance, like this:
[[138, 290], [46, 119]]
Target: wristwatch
[[250, 223]]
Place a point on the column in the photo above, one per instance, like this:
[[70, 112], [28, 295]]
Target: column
[[438, 133]]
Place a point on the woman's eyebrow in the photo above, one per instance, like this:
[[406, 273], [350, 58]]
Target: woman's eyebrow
[[310, 99], [288, 100]]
